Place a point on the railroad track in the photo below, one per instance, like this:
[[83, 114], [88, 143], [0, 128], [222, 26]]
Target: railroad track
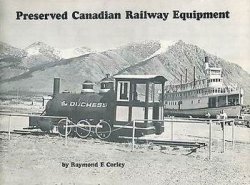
[[27, 132], [185, 144]]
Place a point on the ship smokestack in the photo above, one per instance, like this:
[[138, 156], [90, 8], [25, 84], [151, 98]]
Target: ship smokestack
[[181, 81], [206, 63], [194, 76], [186, 74], [206, 59], [56, 87]]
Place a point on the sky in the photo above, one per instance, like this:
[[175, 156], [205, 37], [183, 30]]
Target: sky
[[226, 38]]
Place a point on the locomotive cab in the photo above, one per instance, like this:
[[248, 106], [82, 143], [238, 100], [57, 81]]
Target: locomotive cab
[[139, 98]]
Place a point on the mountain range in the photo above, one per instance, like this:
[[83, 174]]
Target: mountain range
[[34, 67]]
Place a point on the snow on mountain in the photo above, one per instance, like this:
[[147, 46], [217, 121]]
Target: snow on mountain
[[33, 51], [40, 48], [73, 52], [164, 45]]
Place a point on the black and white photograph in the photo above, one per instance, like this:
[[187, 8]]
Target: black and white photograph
[[124, 92]]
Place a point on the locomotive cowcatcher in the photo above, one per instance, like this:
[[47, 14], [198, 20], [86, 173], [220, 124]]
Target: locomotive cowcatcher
[[108, 113]]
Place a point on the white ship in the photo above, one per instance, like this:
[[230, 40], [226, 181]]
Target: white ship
[[203, 96]]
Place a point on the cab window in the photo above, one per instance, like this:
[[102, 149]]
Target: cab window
[[123, 91]]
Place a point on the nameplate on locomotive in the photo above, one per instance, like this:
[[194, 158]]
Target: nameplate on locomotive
[[83, 104]]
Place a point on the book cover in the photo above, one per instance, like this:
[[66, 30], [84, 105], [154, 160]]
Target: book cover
[[102, 92]]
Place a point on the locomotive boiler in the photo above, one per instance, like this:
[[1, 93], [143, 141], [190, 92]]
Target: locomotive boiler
[[109, 112]]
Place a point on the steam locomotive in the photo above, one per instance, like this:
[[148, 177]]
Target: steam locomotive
[[109, 112]]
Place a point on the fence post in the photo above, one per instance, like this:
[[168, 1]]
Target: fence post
[[233, 133], [133, 136], [66, 132], [210, 140], [223, 136], [172, 129], [9, 126]]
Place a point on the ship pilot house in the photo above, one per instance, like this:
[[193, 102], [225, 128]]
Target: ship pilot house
[[139, 97]]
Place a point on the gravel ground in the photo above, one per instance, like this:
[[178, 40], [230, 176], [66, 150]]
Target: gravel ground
[[38, 160]]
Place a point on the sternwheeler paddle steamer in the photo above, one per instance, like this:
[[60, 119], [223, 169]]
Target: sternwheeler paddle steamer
[[203, 96]]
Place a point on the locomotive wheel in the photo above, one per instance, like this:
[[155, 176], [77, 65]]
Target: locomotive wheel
[[82, 129], [62, 127], [104, 131]]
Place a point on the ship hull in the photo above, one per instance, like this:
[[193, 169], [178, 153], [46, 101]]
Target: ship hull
[[231, 111]]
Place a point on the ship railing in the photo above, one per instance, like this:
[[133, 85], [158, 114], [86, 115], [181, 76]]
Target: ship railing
[[211, 90], [189, 88], [224, 91]]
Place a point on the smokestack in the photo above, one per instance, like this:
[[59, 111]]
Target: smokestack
[[206, 63], [194, 76], [181, 82], [186, 78], [206, 59], [56, 87]]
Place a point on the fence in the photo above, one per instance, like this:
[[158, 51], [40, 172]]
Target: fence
[[60, 117], [25, 115], [193, 120], [172, 120]]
